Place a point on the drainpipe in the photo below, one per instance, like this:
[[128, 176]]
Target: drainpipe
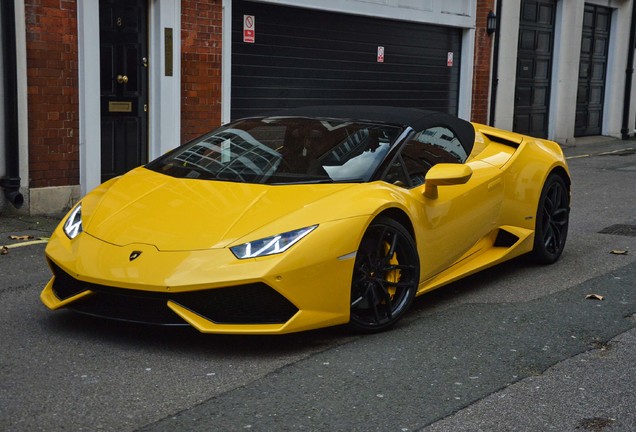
[[629, 72], [11, 180], [495, 66]]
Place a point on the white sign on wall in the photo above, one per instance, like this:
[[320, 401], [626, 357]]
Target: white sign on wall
[[249, 29], [380, 54]]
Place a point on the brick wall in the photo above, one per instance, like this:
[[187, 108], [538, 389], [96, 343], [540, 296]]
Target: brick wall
[[51, 35], [201, 30], [483, 52]]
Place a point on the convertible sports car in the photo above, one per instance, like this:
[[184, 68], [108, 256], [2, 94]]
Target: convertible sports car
[[307, 218]]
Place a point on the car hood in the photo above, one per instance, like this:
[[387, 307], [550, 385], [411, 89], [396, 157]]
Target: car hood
[[186, 214]]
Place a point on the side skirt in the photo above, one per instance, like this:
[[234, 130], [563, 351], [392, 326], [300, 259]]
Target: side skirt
[[503, 244]]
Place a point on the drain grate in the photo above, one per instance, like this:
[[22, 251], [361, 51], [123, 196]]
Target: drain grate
[[620, 229]]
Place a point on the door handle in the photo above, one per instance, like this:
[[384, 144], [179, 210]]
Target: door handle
[[122, 79]]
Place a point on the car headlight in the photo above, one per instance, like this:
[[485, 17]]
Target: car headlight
[[271, 245], [73, 224]]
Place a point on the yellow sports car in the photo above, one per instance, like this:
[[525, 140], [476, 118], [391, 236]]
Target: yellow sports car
[[308, 218]]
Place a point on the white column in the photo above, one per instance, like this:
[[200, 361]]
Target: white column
[[615, 75], [164, 122], [566, 57], [508, 35], [466, 74], [226, 62], [88, 91]]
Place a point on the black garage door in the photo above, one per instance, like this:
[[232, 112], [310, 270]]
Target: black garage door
[[591, 91], [534, 67], [307, 57]]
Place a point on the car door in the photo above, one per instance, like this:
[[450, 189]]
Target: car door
[[451, 223]]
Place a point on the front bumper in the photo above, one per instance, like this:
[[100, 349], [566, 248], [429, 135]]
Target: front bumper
[[304, 288]]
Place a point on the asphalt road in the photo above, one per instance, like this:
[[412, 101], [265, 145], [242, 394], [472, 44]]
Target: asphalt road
[[518, 347]]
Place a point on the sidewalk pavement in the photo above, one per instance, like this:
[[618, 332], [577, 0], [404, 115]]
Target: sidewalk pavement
[[17, 230], [599, 145]]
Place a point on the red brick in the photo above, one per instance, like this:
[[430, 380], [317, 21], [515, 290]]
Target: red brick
[[52, 91], [200, 63], [482, 63]]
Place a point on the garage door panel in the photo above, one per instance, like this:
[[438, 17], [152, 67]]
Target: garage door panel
[[332, 27], [258, 106], [364, 53], [309, 57], [434, 49], [398, 33], [343, 71], [274, 56], [332, 93], [357, 81]]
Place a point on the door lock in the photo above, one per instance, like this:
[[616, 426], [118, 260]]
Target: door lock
[[122, 79]]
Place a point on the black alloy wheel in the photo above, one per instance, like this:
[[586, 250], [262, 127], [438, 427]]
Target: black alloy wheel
[[385, 276], [552, 220]]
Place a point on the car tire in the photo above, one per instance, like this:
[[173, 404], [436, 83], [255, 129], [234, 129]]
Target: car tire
[[385, 276], [552, 220]]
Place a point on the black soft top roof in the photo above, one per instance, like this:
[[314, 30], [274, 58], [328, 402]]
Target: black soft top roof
[[416, 118]]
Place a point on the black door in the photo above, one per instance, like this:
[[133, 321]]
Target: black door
[[305, 57], [534, 67], [591, 92], [124, 85]]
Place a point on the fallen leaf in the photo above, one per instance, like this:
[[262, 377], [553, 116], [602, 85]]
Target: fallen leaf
[[4, 250], [594, 297], [21, 237], [619, 252]]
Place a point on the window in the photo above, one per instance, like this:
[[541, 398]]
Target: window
[[421, 152], [283, 150], [442, 145]]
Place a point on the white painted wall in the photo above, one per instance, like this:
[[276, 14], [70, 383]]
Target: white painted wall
[[165, 91], [565, 70], [464, 105], [508, 35], [23, 109], [226, 62], [88, 92], [456, 13], [616, 66]]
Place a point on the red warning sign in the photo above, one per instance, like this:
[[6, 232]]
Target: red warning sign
[[249, 29], [380, 54]]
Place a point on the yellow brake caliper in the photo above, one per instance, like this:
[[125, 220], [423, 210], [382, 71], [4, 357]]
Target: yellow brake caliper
[[392, 276]]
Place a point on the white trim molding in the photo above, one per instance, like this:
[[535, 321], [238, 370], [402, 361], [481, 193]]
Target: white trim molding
[[88, 91], [226, 62], [164, 122]]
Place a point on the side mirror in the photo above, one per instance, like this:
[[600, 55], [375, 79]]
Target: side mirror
[[445, 174]]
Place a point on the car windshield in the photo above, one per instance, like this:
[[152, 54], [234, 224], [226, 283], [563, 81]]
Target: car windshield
[[283, 150]]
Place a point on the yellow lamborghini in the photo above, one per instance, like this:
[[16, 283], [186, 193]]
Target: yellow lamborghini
[[308, 218]]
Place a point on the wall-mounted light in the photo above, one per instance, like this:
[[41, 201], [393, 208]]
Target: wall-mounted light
[[491, 23]]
